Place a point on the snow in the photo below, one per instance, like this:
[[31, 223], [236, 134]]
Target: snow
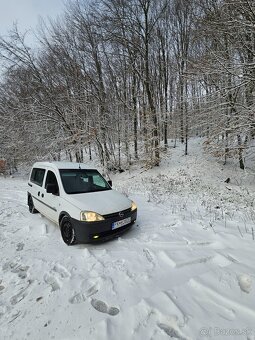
[[184, 271]]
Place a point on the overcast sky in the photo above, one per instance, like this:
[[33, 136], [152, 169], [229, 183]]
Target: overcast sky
[[27, 12]]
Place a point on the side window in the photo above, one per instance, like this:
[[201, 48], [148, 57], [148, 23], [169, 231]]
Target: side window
[[51, 179], [37, 176]]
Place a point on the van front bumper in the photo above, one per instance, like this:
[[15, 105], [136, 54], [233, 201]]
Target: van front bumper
[[87, 232]]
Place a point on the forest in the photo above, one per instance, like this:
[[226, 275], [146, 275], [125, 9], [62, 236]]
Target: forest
[[127, 80]]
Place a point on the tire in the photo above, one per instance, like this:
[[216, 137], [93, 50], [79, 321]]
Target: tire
[[67, 231], [31, 206]]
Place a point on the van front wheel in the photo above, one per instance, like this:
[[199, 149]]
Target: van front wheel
[[67, 231]]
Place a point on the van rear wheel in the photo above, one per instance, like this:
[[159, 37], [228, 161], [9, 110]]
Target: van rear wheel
[[67, 231]]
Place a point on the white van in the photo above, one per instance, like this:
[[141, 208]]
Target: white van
[[80, 201]]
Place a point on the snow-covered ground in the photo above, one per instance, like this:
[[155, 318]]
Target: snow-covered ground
[[184, 271]]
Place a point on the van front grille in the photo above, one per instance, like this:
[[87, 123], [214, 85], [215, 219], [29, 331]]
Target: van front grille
[[117, 214]]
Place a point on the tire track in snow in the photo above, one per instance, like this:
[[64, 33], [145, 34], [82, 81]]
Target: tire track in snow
[[220, 298]]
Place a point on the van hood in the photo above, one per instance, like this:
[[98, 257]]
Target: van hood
[[101, 202]]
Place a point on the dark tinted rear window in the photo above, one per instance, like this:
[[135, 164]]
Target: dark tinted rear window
[[37, 176]]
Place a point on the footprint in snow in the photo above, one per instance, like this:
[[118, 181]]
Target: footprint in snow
[[81, 297], [21, 295], [102, 307], [92, 290], [148, 255], [52, 281], [173, 333], [55, 277], [77, 298], [17, 298], [61, 270], [20, 246], [16, 268], [3, 310]]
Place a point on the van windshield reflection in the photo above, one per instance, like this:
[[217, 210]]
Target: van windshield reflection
[[78, 181]]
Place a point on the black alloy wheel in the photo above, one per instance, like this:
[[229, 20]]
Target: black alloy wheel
[[67, 231]]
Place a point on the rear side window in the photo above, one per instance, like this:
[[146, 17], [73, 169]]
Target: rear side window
[[37, 176]]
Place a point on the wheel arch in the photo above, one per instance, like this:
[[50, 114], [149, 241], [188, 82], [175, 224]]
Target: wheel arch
[[61, 215]]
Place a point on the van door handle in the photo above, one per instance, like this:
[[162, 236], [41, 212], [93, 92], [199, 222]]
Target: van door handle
[[42, 195], [38, 193]]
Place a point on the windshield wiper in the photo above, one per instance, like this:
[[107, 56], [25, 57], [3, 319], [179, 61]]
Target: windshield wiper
[[87, 192]]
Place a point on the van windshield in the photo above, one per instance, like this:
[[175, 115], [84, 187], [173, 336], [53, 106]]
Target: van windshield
[[78, 181]]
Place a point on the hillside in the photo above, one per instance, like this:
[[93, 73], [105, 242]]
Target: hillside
[[184, 271]]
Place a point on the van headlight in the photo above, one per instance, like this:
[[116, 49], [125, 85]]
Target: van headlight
[[133, 206], [91, 216]]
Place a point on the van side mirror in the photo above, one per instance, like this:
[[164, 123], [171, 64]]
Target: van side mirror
[[110, 182], [52, 189]]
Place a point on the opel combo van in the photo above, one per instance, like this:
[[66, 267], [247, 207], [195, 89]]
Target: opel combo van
[[80, 201]]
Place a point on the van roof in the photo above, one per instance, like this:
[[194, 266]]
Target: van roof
[[62, 165]]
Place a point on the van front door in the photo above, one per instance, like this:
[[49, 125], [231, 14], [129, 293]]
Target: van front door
[[51, 200]]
